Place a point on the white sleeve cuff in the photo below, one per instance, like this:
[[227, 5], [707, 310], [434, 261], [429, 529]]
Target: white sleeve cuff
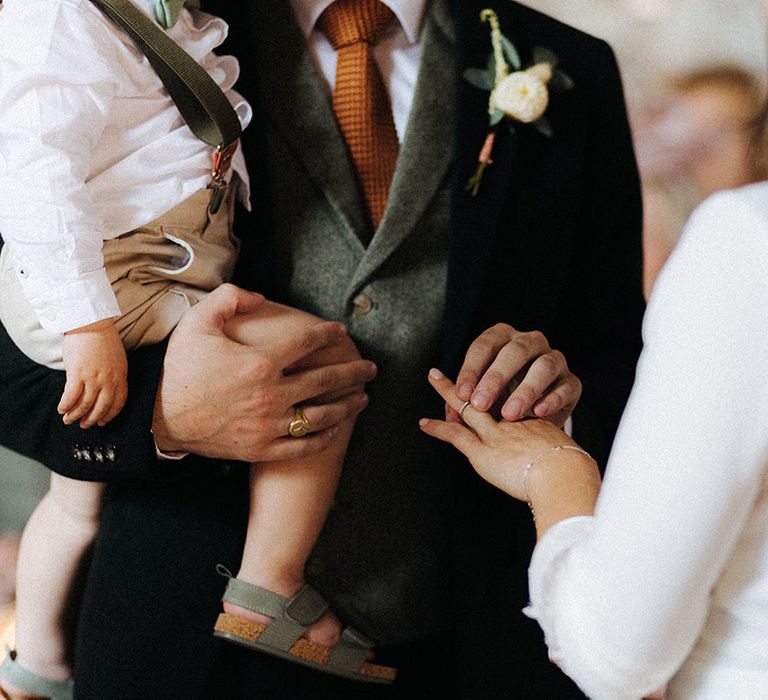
[[173, 456], [546, 560], [64, 305]]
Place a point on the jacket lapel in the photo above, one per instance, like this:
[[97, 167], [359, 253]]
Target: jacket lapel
[[474, 218], [426, 152], [298, 106]]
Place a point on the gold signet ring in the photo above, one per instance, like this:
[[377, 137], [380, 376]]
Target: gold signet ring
[[299, 426]]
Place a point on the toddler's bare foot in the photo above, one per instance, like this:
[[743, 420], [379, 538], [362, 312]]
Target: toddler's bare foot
[[326, 631]]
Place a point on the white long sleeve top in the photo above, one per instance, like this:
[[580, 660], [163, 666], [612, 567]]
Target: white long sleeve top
[[91, 146], [669, 579]]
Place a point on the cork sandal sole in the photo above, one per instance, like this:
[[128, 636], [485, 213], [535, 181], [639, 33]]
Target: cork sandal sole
[[246, 633]]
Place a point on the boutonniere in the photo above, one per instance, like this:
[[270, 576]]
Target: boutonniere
[[518, 95]]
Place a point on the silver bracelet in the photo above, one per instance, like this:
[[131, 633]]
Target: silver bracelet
[[527, 470]]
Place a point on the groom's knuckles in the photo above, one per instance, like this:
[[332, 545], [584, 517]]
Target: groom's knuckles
[[549, 366], [268, 401], [258, 367], [314, 338], [335, 377]]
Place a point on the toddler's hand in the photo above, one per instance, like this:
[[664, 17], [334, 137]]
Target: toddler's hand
[[97, 375]]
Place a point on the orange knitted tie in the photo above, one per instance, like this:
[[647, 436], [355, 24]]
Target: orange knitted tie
[[360, 101]]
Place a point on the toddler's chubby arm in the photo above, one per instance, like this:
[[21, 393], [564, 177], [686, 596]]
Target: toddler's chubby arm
[[97, 375]]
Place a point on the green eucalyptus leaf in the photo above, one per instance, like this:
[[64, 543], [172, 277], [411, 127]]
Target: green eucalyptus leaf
[[542, 54], [479, 78], [510, 53], [496, 117], [560, 81], [543, 126]]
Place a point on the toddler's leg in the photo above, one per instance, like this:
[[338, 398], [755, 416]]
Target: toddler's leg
[[53, 548], [290, 499]]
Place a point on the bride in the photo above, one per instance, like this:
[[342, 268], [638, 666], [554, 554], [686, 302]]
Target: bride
[[663, 576]]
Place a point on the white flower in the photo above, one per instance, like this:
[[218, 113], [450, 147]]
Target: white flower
[[523, 95]]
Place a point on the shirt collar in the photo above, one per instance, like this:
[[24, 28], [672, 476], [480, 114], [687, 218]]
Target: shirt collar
[[408, 12]]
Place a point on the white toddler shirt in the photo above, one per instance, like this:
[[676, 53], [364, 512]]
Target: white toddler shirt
[[92, 146]]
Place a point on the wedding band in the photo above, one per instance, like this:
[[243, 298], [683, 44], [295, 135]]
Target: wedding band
[[299, 426], [462, 409]]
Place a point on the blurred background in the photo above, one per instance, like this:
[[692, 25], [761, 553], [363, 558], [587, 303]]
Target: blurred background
[[694, 73]]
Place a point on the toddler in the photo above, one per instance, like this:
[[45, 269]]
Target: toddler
[[110, 237]]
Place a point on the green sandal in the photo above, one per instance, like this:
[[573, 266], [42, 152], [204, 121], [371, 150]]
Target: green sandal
[[26, 680], [283, 636]]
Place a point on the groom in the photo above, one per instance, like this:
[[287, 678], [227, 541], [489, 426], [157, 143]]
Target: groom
[[416, 553]]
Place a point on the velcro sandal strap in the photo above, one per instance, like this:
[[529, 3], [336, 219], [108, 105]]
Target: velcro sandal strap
[[352, 636], [290, 616], [307, 606], [254, 598], [26, 680], [350, 653]]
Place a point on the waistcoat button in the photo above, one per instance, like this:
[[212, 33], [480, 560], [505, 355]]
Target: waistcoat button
[[363, 304]]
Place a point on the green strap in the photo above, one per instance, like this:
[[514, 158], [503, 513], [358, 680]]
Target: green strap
[[200, 100]]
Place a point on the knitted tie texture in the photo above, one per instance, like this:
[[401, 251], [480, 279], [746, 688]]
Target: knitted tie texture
[[360, 100]]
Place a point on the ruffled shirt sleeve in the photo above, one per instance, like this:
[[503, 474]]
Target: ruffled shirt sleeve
[[623, 596], [54, 99]]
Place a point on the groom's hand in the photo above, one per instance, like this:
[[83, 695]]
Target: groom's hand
[[218, 398], [503, 359]]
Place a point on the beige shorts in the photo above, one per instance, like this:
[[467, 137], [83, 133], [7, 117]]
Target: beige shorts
[[157, 271]]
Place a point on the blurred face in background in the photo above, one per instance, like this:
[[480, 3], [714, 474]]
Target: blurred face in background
[[717, 116]]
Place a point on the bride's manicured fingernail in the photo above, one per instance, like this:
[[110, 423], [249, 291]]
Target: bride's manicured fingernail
[[436, 373]]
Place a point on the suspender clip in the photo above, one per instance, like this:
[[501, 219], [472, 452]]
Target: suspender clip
[[222, 162]]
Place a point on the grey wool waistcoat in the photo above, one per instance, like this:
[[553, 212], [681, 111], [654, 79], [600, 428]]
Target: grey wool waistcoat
[[382, 558]]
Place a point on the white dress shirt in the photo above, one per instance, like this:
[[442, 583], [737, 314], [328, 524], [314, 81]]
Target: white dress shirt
[[397, 53], [669, 579], [91, 146]]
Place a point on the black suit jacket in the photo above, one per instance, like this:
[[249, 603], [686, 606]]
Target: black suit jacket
[[551, 242]]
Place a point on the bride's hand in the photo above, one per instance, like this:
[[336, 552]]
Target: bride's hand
[[497, 450]]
